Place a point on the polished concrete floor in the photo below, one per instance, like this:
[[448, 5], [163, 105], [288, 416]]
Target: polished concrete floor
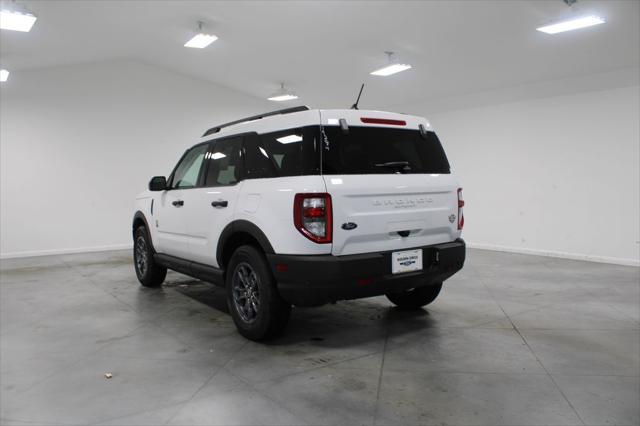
[[512, 340]]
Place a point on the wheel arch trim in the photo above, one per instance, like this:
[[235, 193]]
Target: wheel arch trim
[[243, 226], [137, 217]]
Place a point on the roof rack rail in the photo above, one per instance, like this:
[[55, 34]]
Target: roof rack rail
[[256, 117]]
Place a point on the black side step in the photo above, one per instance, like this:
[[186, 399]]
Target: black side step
[[256, 117], [193, 269]]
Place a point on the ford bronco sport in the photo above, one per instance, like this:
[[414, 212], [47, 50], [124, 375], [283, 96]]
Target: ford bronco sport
[[306, 207]]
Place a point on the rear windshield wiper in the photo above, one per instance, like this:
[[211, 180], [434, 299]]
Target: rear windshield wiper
[[402, 166]]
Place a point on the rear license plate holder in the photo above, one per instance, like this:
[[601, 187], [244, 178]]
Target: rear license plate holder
[[406, 261]]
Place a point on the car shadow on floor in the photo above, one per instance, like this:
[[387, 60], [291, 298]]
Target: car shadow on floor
[[207, 294], [342, 324]]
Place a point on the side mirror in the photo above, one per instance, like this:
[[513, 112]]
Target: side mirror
[[158, 183]]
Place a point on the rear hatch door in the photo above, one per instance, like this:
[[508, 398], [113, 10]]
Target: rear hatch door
[[390, 183]]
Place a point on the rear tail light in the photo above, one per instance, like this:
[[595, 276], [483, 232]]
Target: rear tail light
[[312, 216], [460, 211]]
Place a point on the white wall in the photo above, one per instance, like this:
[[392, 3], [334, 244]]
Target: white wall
[[557, 176], [77, 144]]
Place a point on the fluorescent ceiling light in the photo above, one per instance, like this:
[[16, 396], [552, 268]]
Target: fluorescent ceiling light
[[16, 21], [280, 98], [289, 139], [200, 41], [283, 95], [4, 75], [572, 24], [391, 69], [217, 155]]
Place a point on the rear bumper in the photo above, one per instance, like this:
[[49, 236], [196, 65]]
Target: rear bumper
[[316, 280]]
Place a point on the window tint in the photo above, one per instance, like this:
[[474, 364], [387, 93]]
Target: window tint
[[223, 162], [283, 153], [258, 164], [188, 170], [379, 150]]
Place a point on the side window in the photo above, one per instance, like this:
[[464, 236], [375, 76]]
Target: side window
[[188, 170], [258, 163], [283, 153], [223, 162]]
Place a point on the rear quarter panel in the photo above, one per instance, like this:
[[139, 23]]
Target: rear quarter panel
[[268, 203]]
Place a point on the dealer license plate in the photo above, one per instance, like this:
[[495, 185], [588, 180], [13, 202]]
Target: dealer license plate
[[406, 261]]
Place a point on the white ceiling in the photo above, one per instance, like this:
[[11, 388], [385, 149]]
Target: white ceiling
[[325, 49]]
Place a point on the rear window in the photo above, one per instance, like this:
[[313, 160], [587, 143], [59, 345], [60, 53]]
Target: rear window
[[381, 150]]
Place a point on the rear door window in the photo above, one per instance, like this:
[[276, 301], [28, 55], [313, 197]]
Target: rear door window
[[224, 162], [381, 150]]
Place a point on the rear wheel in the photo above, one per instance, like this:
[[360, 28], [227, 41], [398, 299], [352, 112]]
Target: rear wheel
[[149, 273], [416, 297], [254, 302]]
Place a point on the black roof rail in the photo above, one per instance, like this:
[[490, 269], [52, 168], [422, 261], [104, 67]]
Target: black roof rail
[[256, 117]]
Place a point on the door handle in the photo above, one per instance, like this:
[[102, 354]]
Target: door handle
[[220, 203], [178, 203]]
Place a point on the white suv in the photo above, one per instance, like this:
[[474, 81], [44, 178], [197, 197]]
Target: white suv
[[305, 207]]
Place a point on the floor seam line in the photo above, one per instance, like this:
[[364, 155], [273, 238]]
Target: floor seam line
[[284, 376], [137, 413], [597, 299], [534, 354], [377, 403], [220, 368]]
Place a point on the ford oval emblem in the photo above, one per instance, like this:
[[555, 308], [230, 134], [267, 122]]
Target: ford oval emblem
[[349, 226]]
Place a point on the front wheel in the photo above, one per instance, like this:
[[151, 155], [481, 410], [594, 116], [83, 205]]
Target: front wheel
[[149, 273], [416, 297], [254, 302]]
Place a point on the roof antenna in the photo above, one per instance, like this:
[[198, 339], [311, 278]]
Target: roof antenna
[[355, 106]]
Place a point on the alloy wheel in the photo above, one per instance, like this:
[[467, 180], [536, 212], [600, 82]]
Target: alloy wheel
[[141, 255], [246, 292]]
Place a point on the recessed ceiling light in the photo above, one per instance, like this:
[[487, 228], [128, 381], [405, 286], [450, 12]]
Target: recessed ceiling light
[[201, 39], [4, 75], [393, 68], [283, 95], [572, 24], [16, 21]]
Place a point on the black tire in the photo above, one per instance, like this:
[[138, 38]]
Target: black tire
[[254, 302], [415, 298], [149, 273]]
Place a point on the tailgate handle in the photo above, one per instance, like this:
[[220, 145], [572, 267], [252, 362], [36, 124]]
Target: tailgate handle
[[404, 233]]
